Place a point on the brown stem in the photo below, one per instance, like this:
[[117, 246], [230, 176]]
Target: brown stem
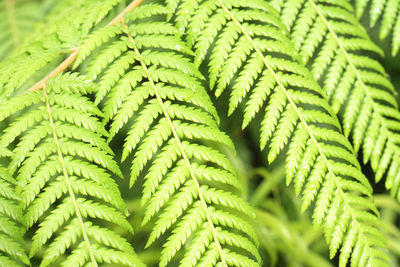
[[69, 60]]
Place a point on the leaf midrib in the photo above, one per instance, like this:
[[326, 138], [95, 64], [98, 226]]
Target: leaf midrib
[[378, 115], [67, 180], [181, 148], [341, 192]]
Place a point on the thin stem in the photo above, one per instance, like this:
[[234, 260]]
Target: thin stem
[[130, 7], [69, 60], [67, 180], [181, 148], [60, 68]]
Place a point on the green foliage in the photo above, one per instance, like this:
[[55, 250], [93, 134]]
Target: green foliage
[[11, 235], [282, 228], [156, 90], [62, 162], [270, 80], [385, 14], [61, 31], [355, 83], [18, 19], [141, 90]]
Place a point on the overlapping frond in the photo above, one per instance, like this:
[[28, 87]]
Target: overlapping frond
[[382, 13], [150, 88], [247, 52], [61, 31], [341, 57], [12, 252], [65, 172]]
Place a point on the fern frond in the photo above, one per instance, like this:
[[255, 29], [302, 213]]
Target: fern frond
[[385, 14], [356, 85], [243, 43], [63, 31], [63, 164], [18, 19], [150, 88], [11, 221]]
